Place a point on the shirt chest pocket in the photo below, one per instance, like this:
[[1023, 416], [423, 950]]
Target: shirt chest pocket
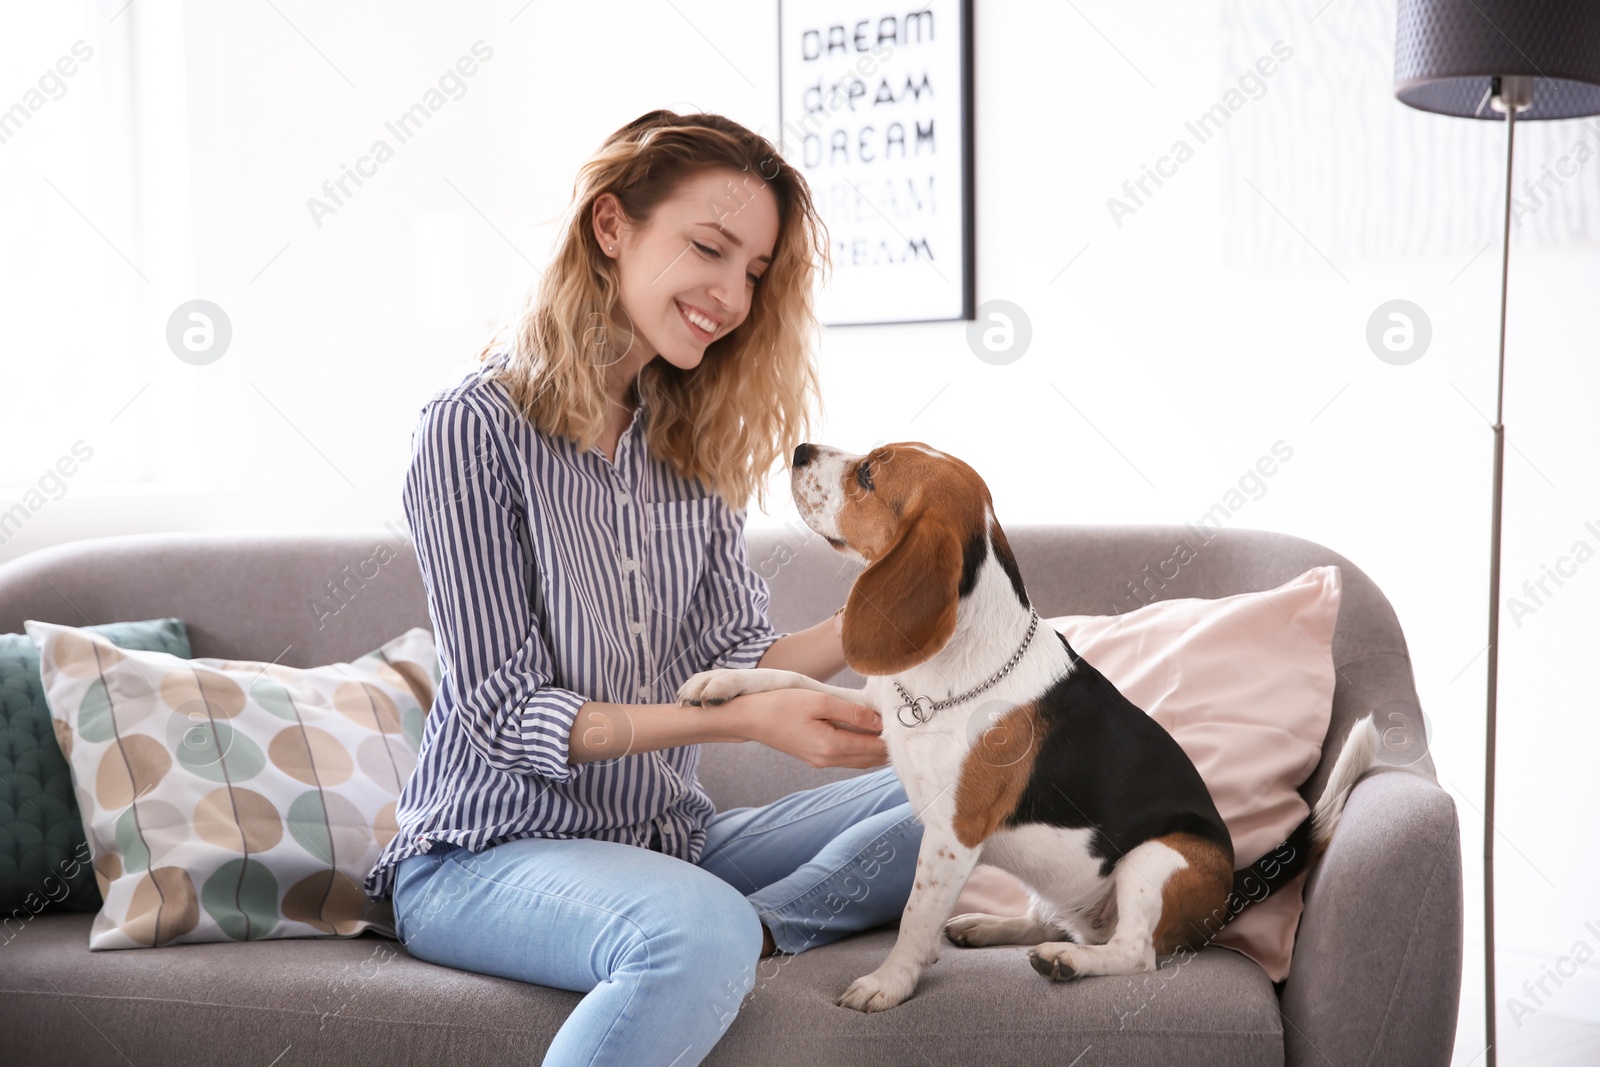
[[677, 537]]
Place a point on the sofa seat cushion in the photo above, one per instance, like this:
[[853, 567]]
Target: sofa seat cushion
[[364, 1001]]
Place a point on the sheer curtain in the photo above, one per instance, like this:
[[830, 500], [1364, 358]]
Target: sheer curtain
[[95, 243], [1366, 178]]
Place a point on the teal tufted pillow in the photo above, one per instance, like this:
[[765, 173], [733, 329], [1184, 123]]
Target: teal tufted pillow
[[42, 846]]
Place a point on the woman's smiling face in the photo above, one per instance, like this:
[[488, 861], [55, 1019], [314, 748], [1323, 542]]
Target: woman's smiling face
[[689, 275]]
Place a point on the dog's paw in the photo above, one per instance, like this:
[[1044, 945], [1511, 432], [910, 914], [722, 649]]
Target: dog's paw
[[715, 687], [1054, 960], [975, 930], [884, 988]]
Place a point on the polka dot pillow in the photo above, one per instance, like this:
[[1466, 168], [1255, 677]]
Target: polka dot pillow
[[234, 801]]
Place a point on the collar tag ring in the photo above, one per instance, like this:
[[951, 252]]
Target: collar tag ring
[[920, 709]]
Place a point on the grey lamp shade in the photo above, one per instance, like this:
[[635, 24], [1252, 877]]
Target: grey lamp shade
[[1447, 51]]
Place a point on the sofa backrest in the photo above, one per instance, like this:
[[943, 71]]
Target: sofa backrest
[[1105, 570], [308, 599]]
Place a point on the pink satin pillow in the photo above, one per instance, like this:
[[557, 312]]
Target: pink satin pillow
[[1245, 685]]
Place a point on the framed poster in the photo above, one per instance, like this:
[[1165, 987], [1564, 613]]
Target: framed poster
[[875, 109]]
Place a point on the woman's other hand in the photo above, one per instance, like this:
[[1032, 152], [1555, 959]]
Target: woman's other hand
[[817, 728]]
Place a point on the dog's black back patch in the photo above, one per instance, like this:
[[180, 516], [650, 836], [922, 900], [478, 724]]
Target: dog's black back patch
[[1102, 764]]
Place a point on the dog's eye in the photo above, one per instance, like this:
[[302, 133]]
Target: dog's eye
[[864, 474]]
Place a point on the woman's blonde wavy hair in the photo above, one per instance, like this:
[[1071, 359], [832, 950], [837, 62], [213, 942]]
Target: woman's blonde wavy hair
[[748, 403]]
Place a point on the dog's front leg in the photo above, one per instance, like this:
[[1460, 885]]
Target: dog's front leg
[[943, 865], [718, 686]]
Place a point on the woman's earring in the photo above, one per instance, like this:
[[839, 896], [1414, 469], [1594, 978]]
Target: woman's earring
[[611, 248]]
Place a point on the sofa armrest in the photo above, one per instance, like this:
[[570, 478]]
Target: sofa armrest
[[1377, 961]]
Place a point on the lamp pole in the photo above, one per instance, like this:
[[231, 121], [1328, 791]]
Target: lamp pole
[[1509, 95]]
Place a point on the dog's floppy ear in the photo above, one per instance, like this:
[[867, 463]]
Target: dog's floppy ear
[[902, 609]]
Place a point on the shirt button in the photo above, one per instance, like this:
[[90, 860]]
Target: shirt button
[[644, 690], [623, 500], [636, 627], [630, 565]]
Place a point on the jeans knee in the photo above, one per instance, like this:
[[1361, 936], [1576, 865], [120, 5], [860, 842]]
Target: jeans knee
[[735, 920], [705, 950], [724, 962], [720, 935]]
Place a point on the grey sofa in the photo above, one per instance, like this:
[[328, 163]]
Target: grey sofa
[[1377, 964]]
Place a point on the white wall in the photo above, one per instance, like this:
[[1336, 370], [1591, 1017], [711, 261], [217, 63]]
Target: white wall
[[1188, 340]]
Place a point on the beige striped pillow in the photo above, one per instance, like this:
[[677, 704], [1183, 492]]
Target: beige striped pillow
[[233, 801]]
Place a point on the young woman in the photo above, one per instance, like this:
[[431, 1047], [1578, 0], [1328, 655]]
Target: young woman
[[577, 503]]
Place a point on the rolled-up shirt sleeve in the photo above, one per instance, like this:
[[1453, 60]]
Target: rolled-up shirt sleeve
[[466, 517], [731, 601]]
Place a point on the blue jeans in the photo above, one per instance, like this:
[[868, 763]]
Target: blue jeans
[[665, 950]]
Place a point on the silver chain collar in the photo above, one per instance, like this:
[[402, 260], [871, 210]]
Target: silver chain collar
[[914, 705]]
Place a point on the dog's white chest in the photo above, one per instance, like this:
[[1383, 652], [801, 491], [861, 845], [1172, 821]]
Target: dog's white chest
[[928, 761]]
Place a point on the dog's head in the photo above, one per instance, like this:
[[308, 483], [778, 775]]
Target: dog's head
[[919, 519]]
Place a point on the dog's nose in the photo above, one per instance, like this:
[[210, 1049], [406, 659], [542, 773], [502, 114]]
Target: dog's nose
[[802, 454]]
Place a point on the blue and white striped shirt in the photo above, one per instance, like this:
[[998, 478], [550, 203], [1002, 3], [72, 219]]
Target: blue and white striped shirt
[[556, 576]]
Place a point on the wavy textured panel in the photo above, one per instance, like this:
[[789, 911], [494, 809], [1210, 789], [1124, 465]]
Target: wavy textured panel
[[1363, 176]]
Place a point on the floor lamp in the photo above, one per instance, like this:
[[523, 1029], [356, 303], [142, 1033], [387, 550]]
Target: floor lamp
[[1511, 61]]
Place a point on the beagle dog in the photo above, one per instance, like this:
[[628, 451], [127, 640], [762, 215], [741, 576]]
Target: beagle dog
[[1013, 750]]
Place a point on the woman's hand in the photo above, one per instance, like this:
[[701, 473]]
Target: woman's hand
[[818, 728]]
